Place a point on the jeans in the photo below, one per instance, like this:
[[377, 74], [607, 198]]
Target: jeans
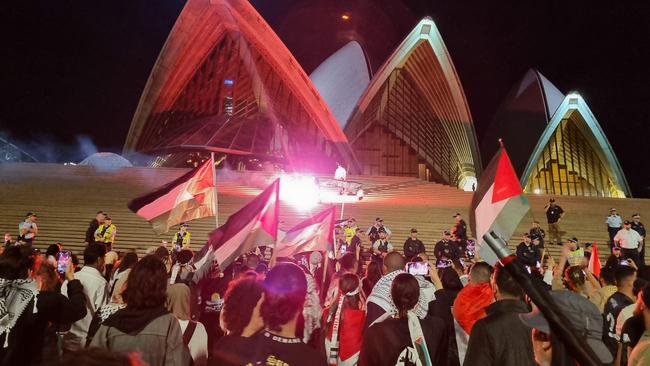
[[554, 232]]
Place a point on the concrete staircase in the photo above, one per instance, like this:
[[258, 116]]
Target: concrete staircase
[[67, 197]]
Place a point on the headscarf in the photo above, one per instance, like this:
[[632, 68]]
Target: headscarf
[[178, 301]]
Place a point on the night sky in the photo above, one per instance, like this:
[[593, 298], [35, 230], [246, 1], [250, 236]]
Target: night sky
[[72, 72]]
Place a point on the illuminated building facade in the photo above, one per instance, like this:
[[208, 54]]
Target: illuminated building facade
[[413, 119], [555, 142], [225, 83]]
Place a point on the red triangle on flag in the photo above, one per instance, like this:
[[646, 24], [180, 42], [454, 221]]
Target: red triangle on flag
[[506, 183]]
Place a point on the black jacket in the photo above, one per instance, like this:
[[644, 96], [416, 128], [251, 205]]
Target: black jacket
[[26, 338], [413, 248], [90, 232], [501, 338], [529, 255]]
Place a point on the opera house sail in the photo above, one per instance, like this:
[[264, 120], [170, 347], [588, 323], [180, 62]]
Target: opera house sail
[[557, 146], [225, 83], [413, 119]]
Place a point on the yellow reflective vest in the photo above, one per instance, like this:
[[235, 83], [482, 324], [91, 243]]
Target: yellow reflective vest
[[184, 239], [105, 234]]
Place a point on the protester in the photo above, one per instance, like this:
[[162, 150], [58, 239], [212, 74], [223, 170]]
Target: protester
[[630, 241], [379, 305], [640, 354], [494, 337], [373, 274], [8, 240], [348, 263], [28, 305], [96, 290], [460, 229], [584, 319], [623, 297], [450, 285], [554, 214], [355, 243], [472, 300], [92, 227], [285, 289], [119, 277], [194, 335], [608, 288], [413, 246], [343, 322], [27, 230], [411, 340], [241, 320], [144, 325]]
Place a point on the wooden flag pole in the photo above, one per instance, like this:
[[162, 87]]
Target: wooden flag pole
[[216, 199]]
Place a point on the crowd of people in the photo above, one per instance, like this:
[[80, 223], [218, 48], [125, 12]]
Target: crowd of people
[[370, 302]]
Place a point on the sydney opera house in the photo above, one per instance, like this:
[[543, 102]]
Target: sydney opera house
[[225, 83]]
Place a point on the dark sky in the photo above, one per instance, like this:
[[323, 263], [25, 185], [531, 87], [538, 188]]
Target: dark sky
[[70, 69]]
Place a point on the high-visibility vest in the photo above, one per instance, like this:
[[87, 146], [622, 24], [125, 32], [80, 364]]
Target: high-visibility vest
[[349, 233], [184, 240], [104, 234]]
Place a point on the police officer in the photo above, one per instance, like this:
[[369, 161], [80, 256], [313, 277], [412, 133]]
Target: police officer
[[446, 249], [554, 214], [106, 232], [181, 239], [460, 229], [381, 246], [637, 226], [528, 253], [413, 246], [614, 224]]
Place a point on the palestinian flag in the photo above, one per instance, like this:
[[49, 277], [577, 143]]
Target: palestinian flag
[[315, 233], [498, 203], [186, 198], [594, 261], [254, 225]]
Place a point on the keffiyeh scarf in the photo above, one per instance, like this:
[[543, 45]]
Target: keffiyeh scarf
[[381, 295], [15, 295]]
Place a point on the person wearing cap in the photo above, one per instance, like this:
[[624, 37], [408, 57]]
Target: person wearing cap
[[637, 226], [624, 296], [537, 230], [527, 253], [630, 242], [641, 353], [460, 229], [413, 246], [373, 231], [106, 232], [181, 239], [446, 249], [554, 214], [583, 317], [350, 229], [494, 337], [614, 224], [92, 227], [381, 246], [27, 230], [355, 242]]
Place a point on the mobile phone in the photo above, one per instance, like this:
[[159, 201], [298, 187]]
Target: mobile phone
[[624, 262], [444, 263], [62, 262], [417, 268]]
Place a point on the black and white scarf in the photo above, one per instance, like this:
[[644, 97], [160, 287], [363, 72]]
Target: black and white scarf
[[15, 295]]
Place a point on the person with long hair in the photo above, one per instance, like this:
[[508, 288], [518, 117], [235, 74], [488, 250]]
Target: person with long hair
[[145, 325], [373, 274], [405, 338], [343, 322], [120, 275]]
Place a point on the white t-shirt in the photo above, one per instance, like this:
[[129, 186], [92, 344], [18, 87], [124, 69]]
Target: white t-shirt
[[628, 239], [198, 343]]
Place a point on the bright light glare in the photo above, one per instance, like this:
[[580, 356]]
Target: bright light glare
[[470, 184], [300, 191], [345, 17], [537, 191]]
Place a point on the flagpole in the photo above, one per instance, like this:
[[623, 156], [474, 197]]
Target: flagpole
[[214, 181]]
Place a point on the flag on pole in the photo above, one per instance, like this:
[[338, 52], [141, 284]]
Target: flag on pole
[[315, 233], [253, 225], [594, 261], [186, 198], [498, 203]]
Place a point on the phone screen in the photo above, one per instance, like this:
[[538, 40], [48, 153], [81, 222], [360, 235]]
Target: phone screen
[[62, 263], [417, 268]]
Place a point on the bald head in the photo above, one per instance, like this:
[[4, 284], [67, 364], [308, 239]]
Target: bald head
[[480, 273], [394, 261]]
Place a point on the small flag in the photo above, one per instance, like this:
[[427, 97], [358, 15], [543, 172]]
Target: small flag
[[594, 261], [315, 233], [186, 198], [498, 204], [254, 225]]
